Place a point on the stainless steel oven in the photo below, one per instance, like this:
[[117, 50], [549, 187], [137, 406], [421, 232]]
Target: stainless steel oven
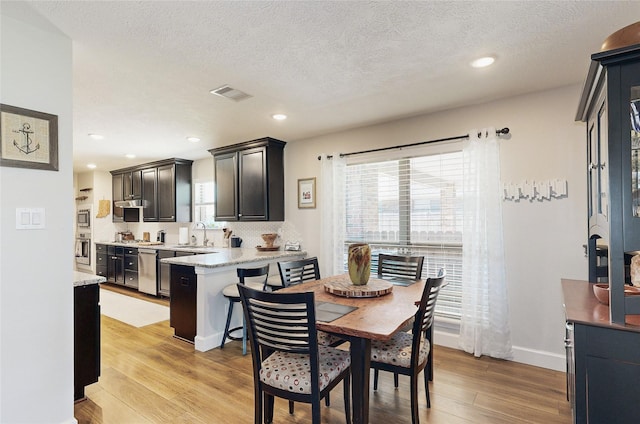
[[83, 248], [83, 218]]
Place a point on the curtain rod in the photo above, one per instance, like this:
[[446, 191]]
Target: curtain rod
[[502, 131]]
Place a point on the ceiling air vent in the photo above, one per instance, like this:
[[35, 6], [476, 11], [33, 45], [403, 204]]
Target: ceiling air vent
[[230, 93]]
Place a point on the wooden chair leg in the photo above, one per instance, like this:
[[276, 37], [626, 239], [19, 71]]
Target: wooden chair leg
[[347, 398], [375, 379], [426, 387], [395, 380], [291, 407], [315, 411], [226, 327], [414, 400], [327, 399], [257, 414], [268, 408]]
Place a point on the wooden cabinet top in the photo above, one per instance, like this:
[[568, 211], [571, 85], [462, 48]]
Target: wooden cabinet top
[[155, 164], [582, 307], [260, 142]]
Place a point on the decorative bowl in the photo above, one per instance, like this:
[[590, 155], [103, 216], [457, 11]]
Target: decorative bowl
[[601, 291], [269, 238]]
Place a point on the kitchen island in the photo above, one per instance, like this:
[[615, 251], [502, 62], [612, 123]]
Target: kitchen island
[[86, 331], [196, 290]]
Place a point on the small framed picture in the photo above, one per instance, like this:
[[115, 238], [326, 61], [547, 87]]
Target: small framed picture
[[307, 193], [28, 139]]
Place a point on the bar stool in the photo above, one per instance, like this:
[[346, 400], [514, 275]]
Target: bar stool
[[231, 292]]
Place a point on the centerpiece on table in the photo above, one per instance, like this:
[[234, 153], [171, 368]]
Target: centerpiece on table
[[359, 263]]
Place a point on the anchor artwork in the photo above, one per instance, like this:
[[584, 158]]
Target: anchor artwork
[[29, 139]]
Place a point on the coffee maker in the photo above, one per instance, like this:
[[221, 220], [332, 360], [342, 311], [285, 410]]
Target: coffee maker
[[160, 236]]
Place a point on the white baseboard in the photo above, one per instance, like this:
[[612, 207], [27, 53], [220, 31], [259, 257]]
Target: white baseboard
[[202, 344], [522, 355]]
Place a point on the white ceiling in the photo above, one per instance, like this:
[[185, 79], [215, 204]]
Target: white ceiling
[[143, 70]]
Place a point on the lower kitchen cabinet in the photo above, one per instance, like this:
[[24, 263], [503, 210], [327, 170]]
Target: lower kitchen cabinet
[[130, 267], [86, 337], [183, 302], [102, 259], [603, 359]]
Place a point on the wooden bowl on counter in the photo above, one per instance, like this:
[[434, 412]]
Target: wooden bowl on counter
[[601, 291]]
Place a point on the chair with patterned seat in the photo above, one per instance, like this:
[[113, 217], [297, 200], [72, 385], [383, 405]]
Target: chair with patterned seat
[[231, 293], [287, 360], [407, 353]]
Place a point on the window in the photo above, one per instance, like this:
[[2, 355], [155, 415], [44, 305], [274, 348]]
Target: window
[[411, 206], [204, 203]]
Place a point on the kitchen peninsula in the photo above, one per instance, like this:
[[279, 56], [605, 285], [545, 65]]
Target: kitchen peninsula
[[196, 290]]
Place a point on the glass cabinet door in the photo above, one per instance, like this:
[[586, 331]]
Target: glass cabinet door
[[634, 115]]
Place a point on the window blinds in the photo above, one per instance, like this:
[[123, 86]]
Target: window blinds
[[411, 206]]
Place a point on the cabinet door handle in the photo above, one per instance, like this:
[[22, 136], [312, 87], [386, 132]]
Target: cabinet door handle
[[184, 281]]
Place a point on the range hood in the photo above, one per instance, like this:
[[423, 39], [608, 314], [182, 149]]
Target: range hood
[[128, 204]]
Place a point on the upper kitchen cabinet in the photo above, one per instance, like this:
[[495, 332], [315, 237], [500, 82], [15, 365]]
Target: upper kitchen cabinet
[[165, 189], [249, 180], [132, 185], [117, 196], [610, 106]]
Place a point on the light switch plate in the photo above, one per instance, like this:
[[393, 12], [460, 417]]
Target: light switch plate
[[30, 218]]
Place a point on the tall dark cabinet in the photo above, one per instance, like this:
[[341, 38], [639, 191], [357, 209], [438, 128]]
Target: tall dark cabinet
[[249, 180], [610, 106]]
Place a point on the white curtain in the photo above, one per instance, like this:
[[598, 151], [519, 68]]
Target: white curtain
[[484, 326], [332, 224]]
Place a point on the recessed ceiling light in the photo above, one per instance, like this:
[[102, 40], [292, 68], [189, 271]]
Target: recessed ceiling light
[[279, 116], [91, 165], [96, 136], [130, 156], [483, 62], [193, 139]]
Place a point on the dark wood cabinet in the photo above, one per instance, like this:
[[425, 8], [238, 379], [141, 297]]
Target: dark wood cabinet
[[117, 195], [86, 337], [609, 106], [150, 194], [182, 311], [130, 267], [603, 359], [249, 180], [132, 185], [102, 259], [165, 189]]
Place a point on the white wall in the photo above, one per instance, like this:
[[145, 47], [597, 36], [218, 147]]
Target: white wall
[[543, 240], [36, 289]]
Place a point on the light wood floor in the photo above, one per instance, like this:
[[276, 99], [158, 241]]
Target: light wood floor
[[150, 377]]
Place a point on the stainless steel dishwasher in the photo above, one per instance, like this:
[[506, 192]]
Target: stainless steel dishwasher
[[147, 282]]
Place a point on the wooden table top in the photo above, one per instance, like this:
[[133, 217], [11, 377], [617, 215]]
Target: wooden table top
[[581, 306], [377, 318]]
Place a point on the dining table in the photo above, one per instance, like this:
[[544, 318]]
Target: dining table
[[366, 318]]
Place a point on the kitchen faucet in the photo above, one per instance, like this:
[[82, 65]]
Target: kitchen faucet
[[205, 241]]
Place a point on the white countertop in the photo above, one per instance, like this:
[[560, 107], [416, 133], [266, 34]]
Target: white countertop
[[174, 247], [85, 279], [231, 256]]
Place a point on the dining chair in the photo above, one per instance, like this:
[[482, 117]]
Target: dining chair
[[232, 294], [298, 272], [407, 353], [397, 266], [287, 360]]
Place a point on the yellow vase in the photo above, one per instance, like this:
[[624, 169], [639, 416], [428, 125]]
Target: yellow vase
[[359, 263]]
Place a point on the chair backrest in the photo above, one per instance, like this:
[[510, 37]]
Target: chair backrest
[[296, 272], [426, 310], [284, 322], [254, 272], [409, 267]]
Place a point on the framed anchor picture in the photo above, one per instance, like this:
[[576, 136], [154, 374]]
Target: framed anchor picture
[[28, 139]]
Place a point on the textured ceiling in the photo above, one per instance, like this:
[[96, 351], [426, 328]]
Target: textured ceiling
[[143, 70]]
